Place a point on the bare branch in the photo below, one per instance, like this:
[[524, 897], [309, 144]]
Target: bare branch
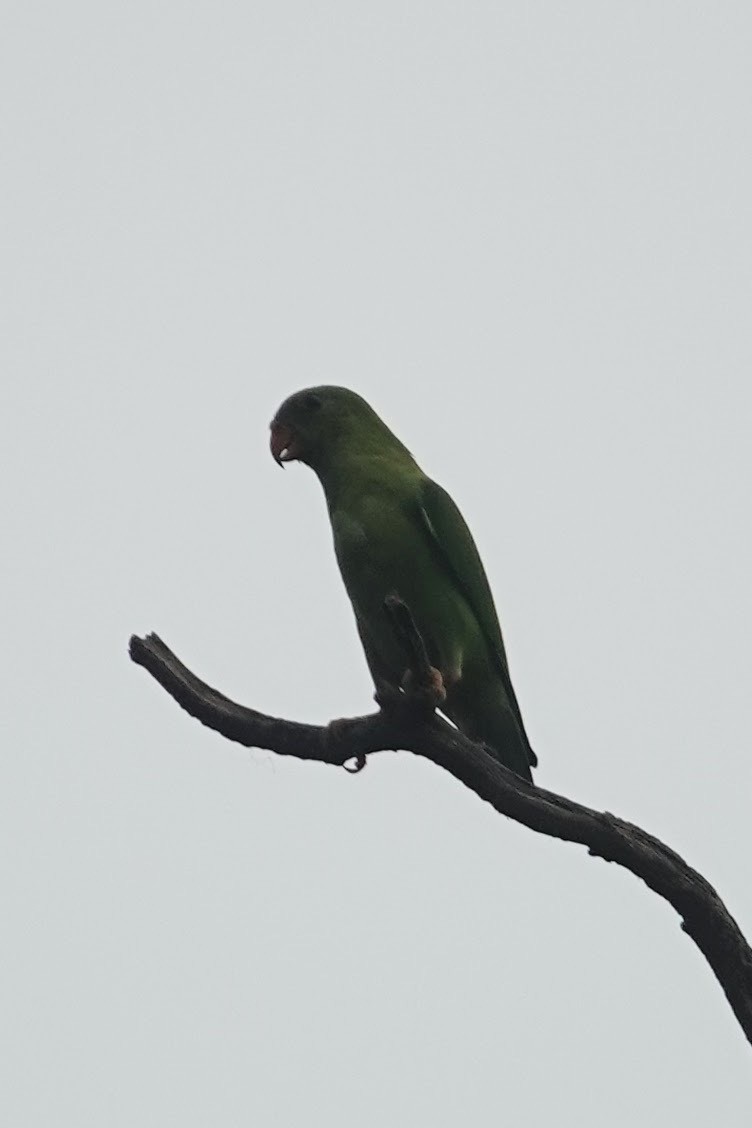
[[408, 725]]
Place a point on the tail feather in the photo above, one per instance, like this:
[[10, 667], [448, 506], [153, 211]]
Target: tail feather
[[508, 743], [498, 729]]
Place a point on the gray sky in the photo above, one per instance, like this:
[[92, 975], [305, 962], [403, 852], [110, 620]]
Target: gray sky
[[522, 231]]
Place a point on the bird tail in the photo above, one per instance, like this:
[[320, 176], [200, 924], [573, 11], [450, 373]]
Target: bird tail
[[510, 746], [497, 728]]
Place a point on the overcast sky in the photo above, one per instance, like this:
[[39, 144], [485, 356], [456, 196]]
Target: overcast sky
[[522, 231]]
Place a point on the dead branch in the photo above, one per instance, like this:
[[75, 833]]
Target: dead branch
[[413, 725]]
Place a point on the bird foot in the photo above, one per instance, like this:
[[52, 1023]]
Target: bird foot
[[337, 731], [428, 689], [388, 696]]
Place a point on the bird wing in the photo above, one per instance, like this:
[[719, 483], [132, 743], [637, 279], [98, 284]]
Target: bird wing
[[455, 548]]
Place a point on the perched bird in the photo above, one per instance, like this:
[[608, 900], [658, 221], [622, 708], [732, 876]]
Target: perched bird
[[396, 532]]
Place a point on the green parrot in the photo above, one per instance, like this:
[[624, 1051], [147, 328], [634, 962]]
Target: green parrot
[[396, 532]]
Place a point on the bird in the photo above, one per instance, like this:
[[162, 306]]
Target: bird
[[397, 533]]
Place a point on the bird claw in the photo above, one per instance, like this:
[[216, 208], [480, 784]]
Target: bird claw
[[336, 732]]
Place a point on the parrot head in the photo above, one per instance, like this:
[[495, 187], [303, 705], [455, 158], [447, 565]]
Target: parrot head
[[310, 425]]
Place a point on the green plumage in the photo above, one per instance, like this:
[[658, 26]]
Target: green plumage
[[398, 532]]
